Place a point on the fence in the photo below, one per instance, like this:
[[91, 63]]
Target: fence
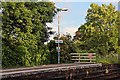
[[83, 57]]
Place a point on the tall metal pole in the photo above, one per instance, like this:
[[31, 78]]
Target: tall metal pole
[[58, 39], [58, 49]]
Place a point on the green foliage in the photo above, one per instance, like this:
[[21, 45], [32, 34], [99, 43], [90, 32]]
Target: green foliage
[[53, 52], [118, 51], [24, 32], [108, 59], [66, 48], [100, 33]]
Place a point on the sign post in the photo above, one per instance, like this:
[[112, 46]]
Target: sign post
[[58, 48], [59, 41]]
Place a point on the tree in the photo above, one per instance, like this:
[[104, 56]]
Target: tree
[[25, 31], [66, 48], [53, 52], [100, 33]]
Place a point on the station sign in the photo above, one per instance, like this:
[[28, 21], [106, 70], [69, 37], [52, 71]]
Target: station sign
[[58, 41]]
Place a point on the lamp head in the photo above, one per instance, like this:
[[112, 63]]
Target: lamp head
[[62, 9]]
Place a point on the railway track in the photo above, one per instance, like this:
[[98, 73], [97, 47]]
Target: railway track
[[46, 67], [74, 71]]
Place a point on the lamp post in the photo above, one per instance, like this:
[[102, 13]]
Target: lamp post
[[58, 49]]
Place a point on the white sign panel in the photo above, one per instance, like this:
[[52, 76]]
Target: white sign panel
[[58, 41], [58, 49]]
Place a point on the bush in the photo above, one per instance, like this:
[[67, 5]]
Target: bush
[[108, 59]]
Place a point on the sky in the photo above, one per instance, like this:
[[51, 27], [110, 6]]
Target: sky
[[71, 20]]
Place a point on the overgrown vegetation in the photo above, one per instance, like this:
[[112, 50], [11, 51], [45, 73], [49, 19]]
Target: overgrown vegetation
[[100, 33], [25, 32]]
